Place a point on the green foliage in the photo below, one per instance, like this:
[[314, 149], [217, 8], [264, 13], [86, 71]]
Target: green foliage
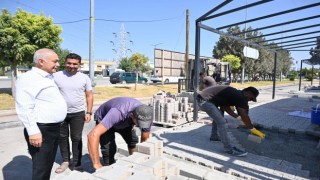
[[307, 73], [293, 75], [138, 60], [126, 65], [62, 53], [263, 66], [22, 34], [233, 60]]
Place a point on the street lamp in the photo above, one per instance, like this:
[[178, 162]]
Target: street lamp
[[155, 45]]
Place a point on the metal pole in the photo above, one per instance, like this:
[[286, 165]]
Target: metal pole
[[91, 43], [187, 50], [274, 75], [196, 71], [312, 76], [300, 74]]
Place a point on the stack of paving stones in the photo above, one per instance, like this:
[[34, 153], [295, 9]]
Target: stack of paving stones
[[170, 110], [148, 163]]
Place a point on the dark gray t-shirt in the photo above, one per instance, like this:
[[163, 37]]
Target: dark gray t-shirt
[[115, 113], [225, 96]]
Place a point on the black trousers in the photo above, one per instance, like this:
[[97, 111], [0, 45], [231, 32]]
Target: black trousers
[[43, 157], [109, 146], [73, 122]]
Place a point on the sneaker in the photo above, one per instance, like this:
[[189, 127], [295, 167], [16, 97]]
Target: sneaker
[[237, 152], [77, 168], [62, 167], [215, 139]]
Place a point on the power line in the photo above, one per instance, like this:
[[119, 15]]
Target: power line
[[70, 22], [121, 21]]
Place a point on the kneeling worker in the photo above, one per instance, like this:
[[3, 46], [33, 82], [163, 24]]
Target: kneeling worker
[[118, 115], [225, 96]]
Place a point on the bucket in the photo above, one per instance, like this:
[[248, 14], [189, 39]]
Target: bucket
[[315, 115]]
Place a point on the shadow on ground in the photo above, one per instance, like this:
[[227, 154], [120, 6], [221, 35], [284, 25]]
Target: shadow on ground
[[6, 91], [290, 147]]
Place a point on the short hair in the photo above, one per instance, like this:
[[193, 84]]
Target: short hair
[[200, 74], [43, 53], [73, 56]]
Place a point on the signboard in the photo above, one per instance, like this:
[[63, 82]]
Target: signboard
[[250, 52]]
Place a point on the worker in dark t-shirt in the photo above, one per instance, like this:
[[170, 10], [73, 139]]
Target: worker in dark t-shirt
[[225, 96], [206, 81]]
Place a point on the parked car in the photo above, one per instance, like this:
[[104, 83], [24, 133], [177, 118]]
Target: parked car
[[126, 77], [165, 79]]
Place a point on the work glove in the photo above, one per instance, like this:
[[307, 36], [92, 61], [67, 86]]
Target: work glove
[[257, 133], [240, 121]]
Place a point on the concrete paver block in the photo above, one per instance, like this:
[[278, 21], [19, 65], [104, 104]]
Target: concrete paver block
[[139, 175], [172, 177], [119, 173], [146, 148], [173, 170], [122, 163], [218, 175], [137, 158], [142, 168], [76, 175], [159, 165], [254, 138]]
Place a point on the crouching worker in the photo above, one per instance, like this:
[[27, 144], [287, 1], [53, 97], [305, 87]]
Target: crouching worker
[[225, 96], [118, 115]]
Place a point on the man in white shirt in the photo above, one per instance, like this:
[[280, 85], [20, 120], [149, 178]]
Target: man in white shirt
[[76, 89], [41, 108]]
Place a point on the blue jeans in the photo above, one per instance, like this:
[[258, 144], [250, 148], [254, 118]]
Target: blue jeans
[[218, 123]]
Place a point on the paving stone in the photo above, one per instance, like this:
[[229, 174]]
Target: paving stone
[[254, 138], [137, 158], [120, 173], [138, 175]]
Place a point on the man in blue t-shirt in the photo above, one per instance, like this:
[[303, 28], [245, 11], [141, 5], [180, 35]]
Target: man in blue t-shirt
[[118, 115]]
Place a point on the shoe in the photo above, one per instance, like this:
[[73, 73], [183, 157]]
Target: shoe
[[77, 168], [62, 167], [237, 152], [215, 139]]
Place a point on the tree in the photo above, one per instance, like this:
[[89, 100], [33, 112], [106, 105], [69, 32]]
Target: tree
[[253, 68], [126, 65], [62, 53], [138, 60], [233, 60], [22, 34]]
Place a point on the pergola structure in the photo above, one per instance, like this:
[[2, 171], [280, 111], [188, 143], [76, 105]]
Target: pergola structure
[[303, 31]]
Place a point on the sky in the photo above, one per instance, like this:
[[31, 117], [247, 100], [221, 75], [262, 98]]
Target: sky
[[150, 24]]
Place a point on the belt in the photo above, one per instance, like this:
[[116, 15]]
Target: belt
[[49, 124]]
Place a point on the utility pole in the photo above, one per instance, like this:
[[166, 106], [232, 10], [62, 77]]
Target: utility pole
[[91, 43], [187, 50]]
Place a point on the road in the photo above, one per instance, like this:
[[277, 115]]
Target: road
[[6, 83]]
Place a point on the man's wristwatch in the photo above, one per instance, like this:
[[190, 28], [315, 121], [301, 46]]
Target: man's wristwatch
[[89, 113]]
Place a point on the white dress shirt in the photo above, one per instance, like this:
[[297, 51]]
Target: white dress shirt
[[38, 100]]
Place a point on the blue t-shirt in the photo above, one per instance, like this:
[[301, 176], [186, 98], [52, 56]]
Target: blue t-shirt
[[115, 113]]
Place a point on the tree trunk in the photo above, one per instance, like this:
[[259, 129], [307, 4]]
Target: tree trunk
[[13, 78], [135, 86]]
